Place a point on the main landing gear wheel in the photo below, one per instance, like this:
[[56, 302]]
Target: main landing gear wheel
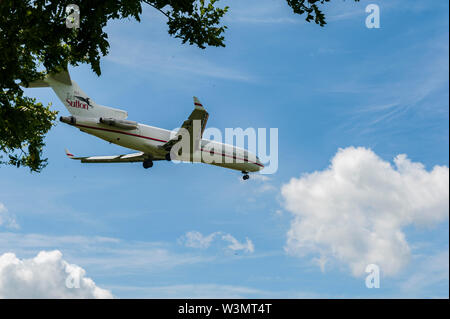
[[245, 177], [168, 157], [147, 163]]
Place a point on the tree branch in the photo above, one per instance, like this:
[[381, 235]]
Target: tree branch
[[151, 4]]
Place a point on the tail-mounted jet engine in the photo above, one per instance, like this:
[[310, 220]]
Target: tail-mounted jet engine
[[123, 124], [68, 119]]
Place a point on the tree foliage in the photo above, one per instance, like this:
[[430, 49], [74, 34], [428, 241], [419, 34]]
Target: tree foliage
[[34, 40]]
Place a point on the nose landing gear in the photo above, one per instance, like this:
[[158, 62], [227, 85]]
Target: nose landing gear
[[245, 177]]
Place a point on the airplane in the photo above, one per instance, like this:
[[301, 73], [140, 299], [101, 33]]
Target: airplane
[[152, 143]]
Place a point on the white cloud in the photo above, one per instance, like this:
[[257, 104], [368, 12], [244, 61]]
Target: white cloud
[[235, 245], [7, 219], [353, 212], [45, 276], [195, 239]]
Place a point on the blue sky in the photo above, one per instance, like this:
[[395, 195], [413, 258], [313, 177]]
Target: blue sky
[[337, 87]]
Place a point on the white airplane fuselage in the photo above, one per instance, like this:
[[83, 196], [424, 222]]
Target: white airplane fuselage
[[148, 140]]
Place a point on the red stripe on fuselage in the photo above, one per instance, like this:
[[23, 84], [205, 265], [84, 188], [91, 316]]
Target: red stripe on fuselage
[[233, 157], [120, 132]]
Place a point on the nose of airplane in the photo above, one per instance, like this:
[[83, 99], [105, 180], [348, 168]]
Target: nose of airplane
[[261, 165]]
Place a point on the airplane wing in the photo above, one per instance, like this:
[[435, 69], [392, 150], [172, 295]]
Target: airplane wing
[[199, 113], [127, 158]]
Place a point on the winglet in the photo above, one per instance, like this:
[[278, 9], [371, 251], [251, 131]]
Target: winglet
[[197, 103], [69, 155]]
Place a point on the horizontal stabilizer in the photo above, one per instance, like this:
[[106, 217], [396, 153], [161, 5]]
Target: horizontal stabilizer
[[36, 84], [61, 77]]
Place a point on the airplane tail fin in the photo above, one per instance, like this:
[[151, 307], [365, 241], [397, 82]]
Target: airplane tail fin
[[74, 99]]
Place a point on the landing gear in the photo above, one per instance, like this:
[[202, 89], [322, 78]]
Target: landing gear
[[245, 177], [168, 157], [147, 163]]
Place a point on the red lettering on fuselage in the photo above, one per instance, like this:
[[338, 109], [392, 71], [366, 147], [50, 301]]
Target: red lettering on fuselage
[[77, 104]]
